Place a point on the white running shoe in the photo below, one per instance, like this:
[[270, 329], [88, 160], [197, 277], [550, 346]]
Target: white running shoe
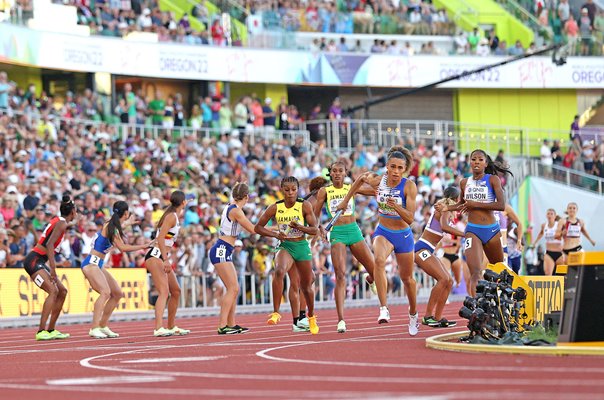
[[298, 328], [161, 332], [413, 324], [303, 323], [384, 317], [109, 332], [179, 331], [97, 333], [341, 326], [372, 286]]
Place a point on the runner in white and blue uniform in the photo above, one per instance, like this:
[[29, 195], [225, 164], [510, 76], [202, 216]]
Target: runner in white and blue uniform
[[232, 222], [100, 279], [482, 196], [438, 224], [395, 196]]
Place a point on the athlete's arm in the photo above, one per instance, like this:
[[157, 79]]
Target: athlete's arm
[[266, 216], [321, 197], [561, 229], [57, 231], [584, 231], [238, 215], [540, 235], [366, 190], [124, 248], [444, 224], [519, 228], [310, 219], [407, 213], [370, 178]]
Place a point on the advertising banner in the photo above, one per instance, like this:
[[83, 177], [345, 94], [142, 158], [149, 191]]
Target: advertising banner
[[19, 295], [176, 61]]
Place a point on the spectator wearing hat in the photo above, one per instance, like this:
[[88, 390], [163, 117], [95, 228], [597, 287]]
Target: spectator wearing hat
[[156, 211]]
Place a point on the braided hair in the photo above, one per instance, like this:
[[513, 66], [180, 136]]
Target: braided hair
[[290, 179], [493, 167]]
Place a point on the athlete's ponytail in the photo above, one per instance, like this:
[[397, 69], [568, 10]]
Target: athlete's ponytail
[[115, 225], [176, 199], [67, 206], [493, 167]]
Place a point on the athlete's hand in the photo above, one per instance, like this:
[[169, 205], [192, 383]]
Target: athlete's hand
[[519, 245], [593, 242], [323, 233], [294, 225], [391, 202], [342, 206], [53, 275], [152, 243], [440, 207], [281, 236], [167, 266]]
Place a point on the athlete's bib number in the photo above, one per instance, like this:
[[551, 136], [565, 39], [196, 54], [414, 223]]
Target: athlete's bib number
[[424, 255], [155, 252], [95, 260], [468, 243], [220, 252], [333, 205], [477, 193]]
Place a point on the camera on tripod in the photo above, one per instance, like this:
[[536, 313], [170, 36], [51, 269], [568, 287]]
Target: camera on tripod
[[496, 308]]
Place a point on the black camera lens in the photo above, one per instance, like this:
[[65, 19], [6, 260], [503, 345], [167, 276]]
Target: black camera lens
[[481, 286], [465, 312], [490, 275], [470, 302], [520, 294]]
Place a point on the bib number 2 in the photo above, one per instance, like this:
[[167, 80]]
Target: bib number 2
[[95, 260]]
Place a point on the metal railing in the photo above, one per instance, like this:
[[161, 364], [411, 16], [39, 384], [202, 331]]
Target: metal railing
[[344, 134], [567, 176], [206, 290]]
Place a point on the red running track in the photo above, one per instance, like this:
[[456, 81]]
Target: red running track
[[272, 362]]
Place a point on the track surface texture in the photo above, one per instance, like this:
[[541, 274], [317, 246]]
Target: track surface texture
[[369, 361]]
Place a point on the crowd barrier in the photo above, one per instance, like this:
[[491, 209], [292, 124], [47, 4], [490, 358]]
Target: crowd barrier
[[20, 297]]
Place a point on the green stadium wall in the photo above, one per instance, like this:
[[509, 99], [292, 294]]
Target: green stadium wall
[[546, 113], [469, 14]]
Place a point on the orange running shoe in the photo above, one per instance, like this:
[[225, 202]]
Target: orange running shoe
[[312, 322], [274, 318]]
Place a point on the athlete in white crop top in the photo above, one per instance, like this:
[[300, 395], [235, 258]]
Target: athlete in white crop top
[[553, 246], [571, 229], [159, 264]]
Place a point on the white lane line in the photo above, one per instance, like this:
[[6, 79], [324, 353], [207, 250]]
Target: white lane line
[[173, 359], [106, 380], [435, 380]]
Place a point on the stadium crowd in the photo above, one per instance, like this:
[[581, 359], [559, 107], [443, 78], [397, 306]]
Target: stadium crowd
[[43, 156], [200, 26]]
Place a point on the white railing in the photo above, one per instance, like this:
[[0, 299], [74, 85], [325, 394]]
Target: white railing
[[202, 291], [568, 177], [344, 134]]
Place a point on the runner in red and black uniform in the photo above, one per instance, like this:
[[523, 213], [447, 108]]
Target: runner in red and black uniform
[[45, 275]]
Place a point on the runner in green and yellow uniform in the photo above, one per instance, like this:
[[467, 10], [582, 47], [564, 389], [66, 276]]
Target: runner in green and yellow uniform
[[295, 218], [345, 233]]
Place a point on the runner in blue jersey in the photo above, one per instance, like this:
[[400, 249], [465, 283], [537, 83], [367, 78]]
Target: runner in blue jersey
[[395, 195], [482, 196], [100, 279]]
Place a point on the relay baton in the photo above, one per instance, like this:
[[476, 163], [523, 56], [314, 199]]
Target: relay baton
[[333, 220]]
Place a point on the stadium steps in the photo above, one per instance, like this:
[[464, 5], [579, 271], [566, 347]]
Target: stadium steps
[[179, 7], [596, 114], [469, 14]]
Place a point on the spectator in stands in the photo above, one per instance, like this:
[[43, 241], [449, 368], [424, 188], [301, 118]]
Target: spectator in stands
[[571, 29], [493, 40], [268, 114], [517, 49], [591, 9], [473, 40], [585, 29], [546, 158], [5, 88], [563, 11]]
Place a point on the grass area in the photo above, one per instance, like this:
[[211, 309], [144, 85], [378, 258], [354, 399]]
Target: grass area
[[539, 332]]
